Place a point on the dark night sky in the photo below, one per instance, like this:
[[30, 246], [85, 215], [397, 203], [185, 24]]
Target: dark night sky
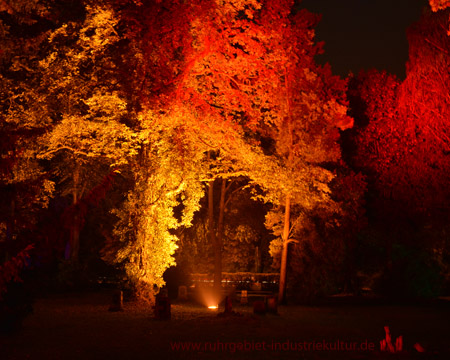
[[364, 34]]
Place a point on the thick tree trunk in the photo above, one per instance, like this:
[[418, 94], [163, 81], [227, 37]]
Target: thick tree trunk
[[284, 252]]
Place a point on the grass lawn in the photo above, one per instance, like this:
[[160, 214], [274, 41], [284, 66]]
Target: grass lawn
[[79, 326]]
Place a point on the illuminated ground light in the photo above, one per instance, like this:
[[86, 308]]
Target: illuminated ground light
[[213, 307]]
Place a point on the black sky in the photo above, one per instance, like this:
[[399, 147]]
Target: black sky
[[364, 34]]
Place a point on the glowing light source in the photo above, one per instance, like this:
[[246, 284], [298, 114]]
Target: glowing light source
[[213, 307]]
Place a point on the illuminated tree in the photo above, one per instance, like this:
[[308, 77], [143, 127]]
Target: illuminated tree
[[249, 79], [77, 93], [403, 137], [84, 106], [167, 170], [402, 143], [163, 36], [424, 104], [67, 93], [374, 105], [166, 193], [25, 189], [150, 89]]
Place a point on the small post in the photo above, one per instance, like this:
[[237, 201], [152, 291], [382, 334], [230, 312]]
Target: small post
[[182, 293], [162, 307], [244, 297], [117, 301], [228, 305], [272, 304]]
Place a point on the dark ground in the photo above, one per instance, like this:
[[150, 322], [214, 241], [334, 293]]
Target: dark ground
[[79, 326]]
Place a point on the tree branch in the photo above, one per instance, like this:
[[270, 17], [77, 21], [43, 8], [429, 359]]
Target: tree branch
[[436, 46], [233, 192], [64, 148], [229, 185]]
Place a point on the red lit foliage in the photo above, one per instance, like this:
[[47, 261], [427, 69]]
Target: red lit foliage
[[159, 34], [228, 60], [405, 143], [11, 269]]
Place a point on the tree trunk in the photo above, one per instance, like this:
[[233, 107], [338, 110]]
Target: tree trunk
[[287, 207], [219, 238], [284, 252], [75, 226], [257, 260], [11, 223], [212, 230]]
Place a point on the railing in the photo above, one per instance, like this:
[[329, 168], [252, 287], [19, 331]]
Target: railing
[[241, 280], [238, 277]]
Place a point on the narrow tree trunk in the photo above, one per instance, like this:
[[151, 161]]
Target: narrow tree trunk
[[212, 230], [257, 260], [219, 238], [11, 223], [287, 206], [284, 252], [75, 226]]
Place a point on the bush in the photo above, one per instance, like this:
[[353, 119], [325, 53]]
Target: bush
[[413, 274], [314, 274]]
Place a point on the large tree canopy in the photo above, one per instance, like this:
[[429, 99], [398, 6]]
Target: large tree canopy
[[174, 94]]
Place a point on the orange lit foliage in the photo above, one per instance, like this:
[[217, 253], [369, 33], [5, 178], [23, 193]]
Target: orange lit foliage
[[238, 77], [250, 75], [166, 167], [25, 189], [85, 108], [437, 5], [234, 76], [76, 90]]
